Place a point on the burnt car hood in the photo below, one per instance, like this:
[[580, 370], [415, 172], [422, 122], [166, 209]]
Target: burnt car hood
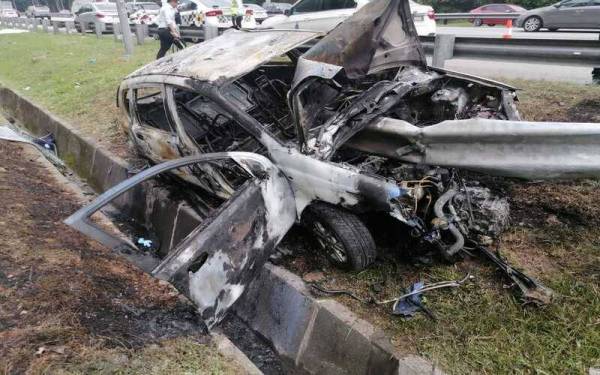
[[227, 57], [381, 35]]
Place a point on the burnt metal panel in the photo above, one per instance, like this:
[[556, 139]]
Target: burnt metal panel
[[215, 263], [380, 35]]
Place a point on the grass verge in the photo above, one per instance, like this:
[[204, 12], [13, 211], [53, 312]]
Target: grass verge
[[74, 76]]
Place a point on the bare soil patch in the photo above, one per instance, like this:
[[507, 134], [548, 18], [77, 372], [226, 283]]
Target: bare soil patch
[[64, 298]]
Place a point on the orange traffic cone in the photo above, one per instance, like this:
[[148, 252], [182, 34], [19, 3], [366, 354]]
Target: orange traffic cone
[[508, 33]]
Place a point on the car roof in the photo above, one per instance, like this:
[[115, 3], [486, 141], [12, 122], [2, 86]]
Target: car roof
[[227, 57]]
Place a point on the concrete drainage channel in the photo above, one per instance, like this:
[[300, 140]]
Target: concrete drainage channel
[[309, 335]]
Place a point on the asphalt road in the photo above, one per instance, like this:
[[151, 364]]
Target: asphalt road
[[498, 30], [519, 69]]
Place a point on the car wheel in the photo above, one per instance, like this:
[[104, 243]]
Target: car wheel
[[553, 29], [477, 22], [347, 242], [533, 23]]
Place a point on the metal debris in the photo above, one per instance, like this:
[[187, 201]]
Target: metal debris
[[531, 291]]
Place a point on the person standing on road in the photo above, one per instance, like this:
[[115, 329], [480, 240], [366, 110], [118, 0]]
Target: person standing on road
[[167, 28], [237, 13]]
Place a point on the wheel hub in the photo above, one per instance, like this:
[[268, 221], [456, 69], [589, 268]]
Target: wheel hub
[[330, 243]]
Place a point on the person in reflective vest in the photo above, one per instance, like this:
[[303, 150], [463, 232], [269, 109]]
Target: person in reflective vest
[[237, 13]]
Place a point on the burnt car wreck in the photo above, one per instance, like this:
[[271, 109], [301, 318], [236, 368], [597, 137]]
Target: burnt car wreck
[[358, 124]]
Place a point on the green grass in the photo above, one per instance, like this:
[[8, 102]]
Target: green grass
[[73, 76], [482, 327], [454, 23]]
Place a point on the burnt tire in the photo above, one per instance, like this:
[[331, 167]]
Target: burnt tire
[[342, 235]]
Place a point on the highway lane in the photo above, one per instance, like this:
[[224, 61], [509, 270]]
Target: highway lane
[[498, 30], [522, 70]]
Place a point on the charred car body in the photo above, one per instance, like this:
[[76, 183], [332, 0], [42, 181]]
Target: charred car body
[[357, 124]]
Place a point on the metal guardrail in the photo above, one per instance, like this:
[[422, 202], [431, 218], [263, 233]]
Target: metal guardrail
[[556, 51], [462, 16]]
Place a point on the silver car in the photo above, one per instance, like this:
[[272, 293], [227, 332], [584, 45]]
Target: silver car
[[567, 14], [103, 14], [34, 11]]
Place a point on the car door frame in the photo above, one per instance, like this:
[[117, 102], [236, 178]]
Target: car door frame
[[218, 259], [166, 141]]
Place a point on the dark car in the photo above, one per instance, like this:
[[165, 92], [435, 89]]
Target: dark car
[[494, 8], [568, 14]]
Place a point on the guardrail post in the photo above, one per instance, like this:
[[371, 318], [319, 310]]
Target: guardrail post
[[82, 28], [98, 29], [210, 32], [443, 49], [139, 34], [36, 24], [45, 25], [55, 27], [69, 26], [116, 31]]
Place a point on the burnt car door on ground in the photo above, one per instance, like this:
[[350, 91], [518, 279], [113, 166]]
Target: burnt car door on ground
[[216, 261]]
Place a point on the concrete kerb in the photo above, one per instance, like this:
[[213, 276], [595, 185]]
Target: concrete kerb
[[312, 336]]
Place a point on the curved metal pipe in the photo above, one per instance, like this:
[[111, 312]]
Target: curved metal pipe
[[438, 209]]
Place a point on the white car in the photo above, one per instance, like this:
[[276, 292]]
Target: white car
[[88, 13], [324, 15], [260, 13], [8, 12], [211, 12], [35, 11], [143, 13]]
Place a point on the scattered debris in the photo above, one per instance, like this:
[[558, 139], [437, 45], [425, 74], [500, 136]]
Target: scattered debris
[[409, 304], [144, 242], [46, 144], [532, 292], [313, 277]]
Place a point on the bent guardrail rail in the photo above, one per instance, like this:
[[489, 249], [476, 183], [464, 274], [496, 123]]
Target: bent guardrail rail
[[462, 16]]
